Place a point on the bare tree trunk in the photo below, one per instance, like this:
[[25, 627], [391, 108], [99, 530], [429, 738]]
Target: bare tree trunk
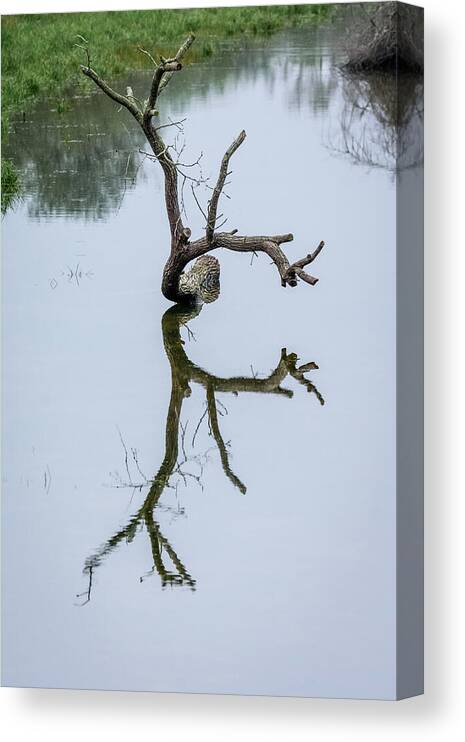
[[183, 250]]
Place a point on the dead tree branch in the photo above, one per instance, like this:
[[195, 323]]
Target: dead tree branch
[[183, 250], [122, 100], [213, 204], [180, 54]]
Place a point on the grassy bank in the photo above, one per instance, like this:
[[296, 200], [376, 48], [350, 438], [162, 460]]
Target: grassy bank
[[39, 58]]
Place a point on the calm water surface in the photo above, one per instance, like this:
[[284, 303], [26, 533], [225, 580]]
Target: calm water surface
[[182, 511]]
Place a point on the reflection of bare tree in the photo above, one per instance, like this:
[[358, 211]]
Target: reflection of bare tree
[[381, 122], [184, 373]]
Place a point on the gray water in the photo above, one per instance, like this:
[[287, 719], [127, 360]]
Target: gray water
[[275, 569]]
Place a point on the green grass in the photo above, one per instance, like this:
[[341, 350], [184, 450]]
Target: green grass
[[39, 58], [10, 184]]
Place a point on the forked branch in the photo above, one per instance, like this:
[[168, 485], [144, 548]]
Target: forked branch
[[183, 250], [180, 54], [165, 67]]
